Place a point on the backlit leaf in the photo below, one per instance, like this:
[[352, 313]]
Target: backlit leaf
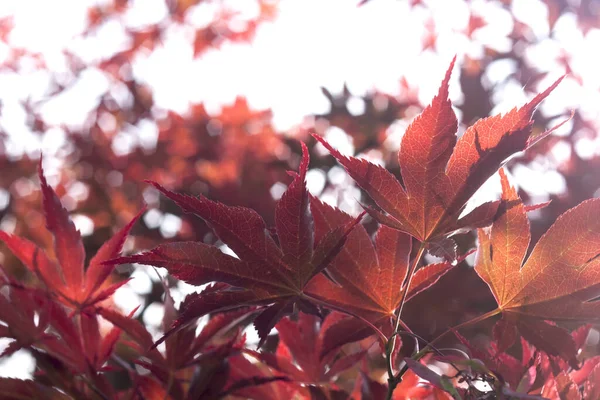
[[558, 281], [266, 273], [439, 172]]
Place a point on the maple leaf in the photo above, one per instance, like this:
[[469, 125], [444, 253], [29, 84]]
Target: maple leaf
[[54, 338], [210, 349], [300, 353], [559, 279], [251, 380], [22, 327], [369, 275], [502, 364], [65, 278], [269, 274], [440, 173]]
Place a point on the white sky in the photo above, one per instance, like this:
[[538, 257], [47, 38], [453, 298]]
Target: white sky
[[311, 44]]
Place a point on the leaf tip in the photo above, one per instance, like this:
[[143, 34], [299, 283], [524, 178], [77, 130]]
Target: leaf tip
[[541, 96], [444, 88], [305, 159]]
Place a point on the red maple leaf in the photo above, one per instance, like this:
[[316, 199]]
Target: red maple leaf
[[439, 172], [65, 277], [557, 282], [369, 276], [300, 354], [266, 273]]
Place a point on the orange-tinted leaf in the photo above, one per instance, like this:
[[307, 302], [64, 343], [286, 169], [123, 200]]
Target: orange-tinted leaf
[[369, 275], [152, 389], [439, 172], [567, 390], [412, 387], [425, 150], [558, 280], [561, 275]]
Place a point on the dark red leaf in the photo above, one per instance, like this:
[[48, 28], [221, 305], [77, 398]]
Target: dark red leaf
[[67, 240], [268, 273]]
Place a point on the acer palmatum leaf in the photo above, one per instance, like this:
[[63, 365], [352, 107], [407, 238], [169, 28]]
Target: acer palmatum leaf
[[65, 276], [439, 172], [511, 369], [269, 274], [250, 380], [369, 275], [559, 279], [68, 245], [299, 353]]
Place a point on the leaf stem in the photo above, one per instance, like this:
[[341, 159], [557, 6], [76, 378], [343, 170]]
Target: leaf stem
[[390, 347], [403, 293], [398, 378]]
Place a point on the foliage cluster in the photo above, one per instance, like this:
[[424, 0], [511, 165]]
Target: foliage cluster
[[381, 304]]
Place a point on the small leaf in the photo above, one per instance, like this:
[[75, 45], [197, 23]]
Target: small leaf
[[444, 248]]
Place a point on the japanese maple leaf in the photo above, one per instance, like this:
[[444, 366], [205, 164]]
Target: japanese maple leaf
[[266, 272], [216, 350], [65, 277], [560, 381], [19, 324], [369, 274], [300, 354], [187, 349], [40, 324], [440, 173], [500, 362], [559, 279], [250, 380]]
